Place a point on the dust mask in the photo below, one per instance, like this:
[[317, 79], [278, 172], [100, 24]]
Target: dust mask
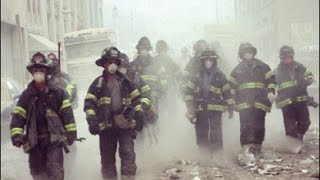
[[123, 70], [39, 77], [208, 64], [112, 68]]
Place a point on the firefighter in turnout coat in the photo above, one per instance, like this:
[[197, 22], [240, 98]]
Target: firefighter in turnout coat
[[252, 85], [45, 114], [208, 95], [110, 104]]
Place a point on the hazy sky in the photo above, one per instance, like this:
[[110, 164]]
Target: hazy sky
[[176, 21]]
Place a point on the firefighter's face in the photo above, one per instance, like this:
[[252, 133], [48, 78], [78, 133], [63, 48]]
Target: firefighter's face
[[287, 59], [144, 52], [111, 66], [39, 69], [247, 56]]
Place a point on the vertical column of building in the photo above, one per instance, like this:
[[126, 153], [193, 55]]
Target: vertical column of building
[[44, 20], [86, 16], [68, 18], [60, 30], [75, 15], [52, 30]]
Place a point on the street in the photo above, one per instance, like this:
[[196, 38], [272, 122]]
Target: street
[[176, 142]]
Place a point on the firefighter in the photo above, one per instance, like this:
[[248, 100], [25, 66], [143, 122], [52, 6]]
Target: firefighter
[[145, 67], [109, 106], [208, 95], [139, 84], [63, 80], [252, 85], [193, 66], [292, 79], [45, 114]]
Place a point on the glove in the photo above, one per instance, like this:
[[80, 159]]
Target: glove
[[230, 113], [271, 97], [139, 120], [191, 117], [17, 140], [94, 128], [71, 137]]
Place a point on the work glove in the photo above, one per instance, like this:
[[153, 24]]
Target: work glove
[[71, 137], [138, 116], [17, 140], [271, 97], [94, 128]]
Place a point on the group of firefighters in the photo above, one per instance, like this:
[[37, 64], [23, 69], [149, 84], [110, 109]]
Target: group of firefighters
[[125, 99]]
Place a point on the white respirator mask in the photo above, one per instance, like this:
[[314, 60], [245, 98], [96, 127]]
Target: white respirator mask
[[123, 70], [112, 68], [39, 77], [208, 64]]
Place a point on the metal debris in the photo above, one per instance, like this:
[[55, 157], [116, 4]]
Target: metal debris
[[304, 171], [306, 161], [196, 178]]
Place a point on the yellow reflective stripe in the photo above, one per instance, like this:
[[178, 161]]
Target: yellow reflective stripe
[[138, 108], [233, 92], [307, 72], [145, 100], [215, 90], [71, 127], [199, 108], [65, 103], [269, 74], [286, 85], [262, 107], [145, 88], [301, 98], [230, 101], [104, 100], [149, 77], [126, 101], [242, 106], [163, 82], [188, 98], [69, 89], [251, 85], [91, 96], [226, 87], [190, 85], [134, 94], [90, 112], [215, 107], [73, 82], [233, 80], [15, 131], [21, 111], [283, 103], [272, 86], [102, 126]]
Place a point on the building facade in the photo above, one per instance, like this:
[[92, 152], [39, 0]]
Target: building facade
[[29, 26]]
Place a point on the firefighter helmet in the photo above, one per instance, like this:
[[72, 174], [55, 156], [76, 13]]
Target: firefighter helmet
[[161, 46], [51, 56], [107, 54], [286, 51], [124, 59], [246, 48], [200, 46], [39, 60], [144, 43]]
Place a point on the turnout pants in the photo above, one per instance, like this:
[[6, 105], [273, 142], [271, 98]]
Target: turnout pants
[[209, 130], [108, 148], [252, 126], [46, 161], [296, 119]]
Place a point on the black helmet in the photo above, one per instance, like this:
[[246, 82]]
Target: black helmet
[[107, 54], [124, 59], [200, 46], [161, 46], [246, 47], [286, 51], [39, 60], [144, 43]]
